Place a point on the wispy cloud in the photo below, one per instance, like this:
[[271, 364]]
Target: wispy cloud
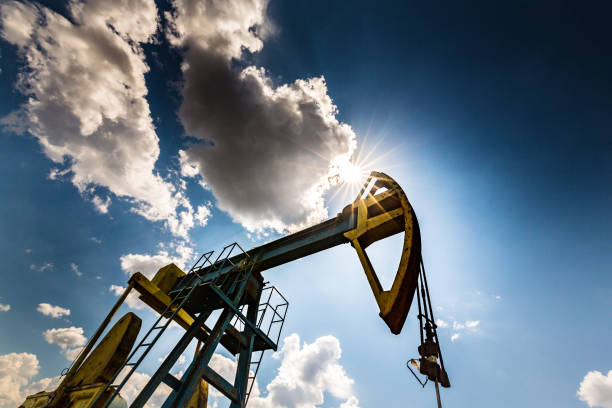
[[42, 267], [4, 308], [75, 269], [101, 204], [441, 323], [468, 326]]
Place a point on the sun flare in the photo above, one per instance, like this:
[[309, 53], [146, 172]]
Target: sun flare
[[350, 173], [347, 171]]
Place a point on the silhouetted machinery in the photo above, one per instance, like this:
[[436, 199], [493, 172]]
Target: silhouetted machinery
[[248, 314]]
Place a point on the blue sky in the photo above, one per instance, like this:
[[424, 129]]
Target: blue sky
[[493, 117]]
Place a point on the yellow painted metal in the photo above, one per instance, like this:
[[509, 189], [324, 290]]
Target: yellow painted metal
[[88, 380], [166, 277], [380, 216], [158, 299], [58, 394], [199, 399], [110, 354], [79, 397]]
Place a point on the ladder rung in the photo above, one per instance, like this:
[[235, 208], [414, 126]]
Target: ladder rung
[[130, 364], [145, 344]]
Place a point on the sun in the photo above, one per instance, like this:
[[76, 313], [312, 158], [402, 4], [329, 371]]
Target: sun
[[347, 171], [350, 173]]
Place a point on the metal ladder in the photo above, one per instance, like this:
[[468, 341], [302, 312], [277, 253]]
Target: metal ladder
[[251, 379], [158, 329], [235, 286], [276, 318]]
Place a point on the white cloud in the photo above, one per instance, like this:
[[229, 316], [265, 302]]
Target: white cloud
[[468, 327], [131, 300], [352, 402], [86, 101], [136, 383], [96, 240], [4, 308], [42, 267], [458, 326], [28, 250], [101, 205], [471, 324], [44, 384], [148, 265], [188, 169], [75, 269], [69, 339], [224, 366], [498, 297], [117, 290], [180, 361], [53, 311], [222, 27], [306, 373], [16, 369], [441, 323], [203, 215], [266, 150], [57, 174], [596, 389], [18, 23], [72, 353]]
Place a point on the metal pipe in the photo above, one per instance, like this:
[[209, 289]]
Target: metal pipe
[[438, 394]]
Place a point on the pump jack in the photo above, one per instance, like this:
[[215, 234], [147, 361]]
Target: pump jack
[[249, 322]]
